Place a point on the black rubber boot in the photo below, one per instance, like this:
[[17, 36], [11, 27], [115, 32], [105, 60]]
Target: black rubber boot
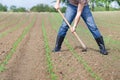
[[58, 44], [101, 45]]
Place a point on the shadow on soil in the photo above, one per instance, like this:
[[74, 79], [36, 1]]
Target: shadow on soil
[[79, 47], [91, 49]]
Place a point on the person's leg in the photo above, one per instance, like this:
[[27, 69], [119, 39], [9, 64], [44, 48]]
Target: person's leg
[[69, 15], [89, 20]]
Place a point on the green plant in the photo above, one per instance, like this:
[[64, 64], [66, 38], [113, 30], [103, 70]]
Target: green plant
[[48, 56], [79, 58]]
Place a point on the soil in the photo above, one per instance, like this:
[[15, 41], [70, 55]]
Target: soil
[[29, 60]]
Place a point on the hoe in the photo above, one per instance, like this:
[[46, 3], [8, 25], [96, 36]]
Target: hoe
[[81, 42]]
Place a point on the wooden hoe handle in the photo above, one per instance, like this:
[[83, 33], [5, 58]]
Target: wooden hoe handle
[[83, 45]]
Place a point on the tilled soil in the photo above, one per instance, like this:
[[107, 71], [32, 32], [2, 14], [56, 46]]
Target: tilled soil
[[101, 65], [67, 67], [29, 61]]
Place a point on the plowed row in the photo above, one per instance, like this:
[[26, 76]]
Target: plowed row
[[27, 39]]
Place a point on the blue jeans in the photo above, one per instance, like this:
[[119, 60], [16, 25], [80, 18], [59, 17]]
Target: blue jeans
[[87, 17]]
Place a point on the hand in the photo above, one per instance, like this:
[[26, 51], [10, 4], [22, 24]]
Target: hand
[[57, 6], [73, 29]]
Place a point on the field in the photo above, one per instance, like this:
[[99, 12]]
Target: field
[[27, 39]]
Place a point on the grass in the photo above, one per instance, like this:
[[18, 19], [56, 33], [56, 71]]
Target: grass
[[53, 76], [15, 45]]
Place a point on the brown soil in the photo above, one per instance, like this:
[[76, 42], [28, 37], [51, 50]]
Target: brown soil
[[66, 66], [16, 19], [101, 65], [28, 63], [29, 60]]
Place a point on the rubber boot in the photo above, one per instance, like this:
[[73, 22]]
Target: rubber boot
[[101, 45], [58, 44]]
